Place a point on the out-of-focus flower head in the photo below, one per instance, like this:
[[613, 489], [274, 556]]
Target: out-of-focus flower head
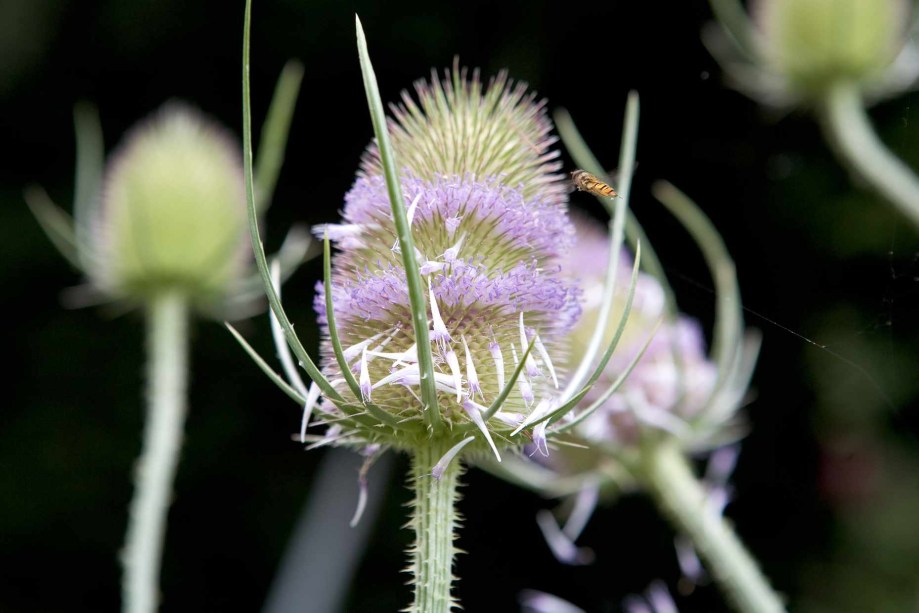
[[672, 380], [165, 213], [172, 210], [487, 211], [661, 386], [790, 52]]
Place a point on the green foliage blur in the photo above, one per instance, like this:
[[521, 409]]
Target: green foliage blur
[[826, 492]]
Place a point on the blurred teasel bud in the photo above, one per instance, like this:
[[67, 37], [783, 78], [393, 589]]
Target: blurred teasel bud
[[813, 43], [172, 210], [794, 51], [487, 210]]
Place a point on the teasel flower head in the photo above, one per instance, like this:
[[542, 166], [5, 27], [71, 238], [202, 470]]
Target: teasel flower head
[[486, 207], [160, 227], [661, 382], [172, 209], [790, 52], [166, 212], [661, 388], [673, 377]]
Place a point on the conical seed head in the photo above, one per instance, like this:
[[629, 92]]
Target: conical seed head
[[173, 209], [455, 126], [488, 238]]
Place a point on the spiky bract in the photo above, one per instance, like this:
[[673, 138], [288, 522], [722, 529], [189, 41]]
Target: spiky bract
[[488, 216], [674, 378]]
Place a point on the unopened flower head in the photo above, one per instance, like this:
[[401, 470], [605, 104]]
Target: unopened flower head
[[813, 43], [172, 209], [487, 210], [793, 52]]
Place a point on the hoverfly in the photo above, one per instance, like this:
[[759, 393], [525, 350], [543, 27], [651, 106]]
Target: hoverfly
[[586, 182]]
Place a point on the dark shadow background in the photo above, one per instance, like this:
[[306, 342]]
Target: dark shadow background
[[826, 490]]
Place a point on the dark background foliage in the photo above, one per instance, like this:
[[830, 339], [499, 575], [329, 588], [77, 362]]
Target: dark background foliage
[[826, 488]]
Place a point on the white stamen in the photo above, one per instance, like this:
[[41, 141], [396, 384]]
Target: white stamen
[[660, 599], [410, 376], [361, 502], [365, 378], [526, 390], [442, 464], [563, 548], [542, 409], [401, 358], [410, 355], [721, 464], [452, 224], [475, 404], [397, 376], [410, 215], [510, 419], [388, 338], [440, 335], [429, 267], [371, 452], [546, 360], [534, 601], [442, 381], [476, 415], [539, 438], [689, 562], [451, 254], [455, 370], [531, 369], [311, 398], [355, 350], [585, 502], [472, 378], [505, 417], [496, 355]]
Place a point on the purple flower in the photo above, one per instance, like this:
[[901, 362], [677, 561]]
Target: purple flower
[[674, 379], [487, 210]]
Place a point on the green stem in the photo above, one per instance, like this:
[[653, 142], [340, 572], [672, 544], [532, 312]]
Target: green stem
[[167, 377], [849, 130], [434, 520], [681, 496]]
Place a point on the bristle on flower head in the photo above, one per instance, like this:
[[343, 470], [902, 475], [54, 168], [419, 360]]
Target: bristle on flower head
[[489, 223], [456, 127]]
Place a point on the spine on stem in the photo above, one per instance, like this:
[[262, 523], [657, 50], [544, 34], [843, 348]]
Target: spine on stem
[[434, 520]]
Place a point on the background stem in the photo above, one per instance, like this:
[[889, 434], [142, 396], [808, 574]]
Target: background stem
[[167, 378], [680, 494], [324, 551], [849, 131], [434, 520]]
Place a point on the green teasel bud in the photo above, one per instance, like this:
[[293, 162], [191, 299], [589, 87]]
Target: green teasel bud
[[172, 210], [813, 44]]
